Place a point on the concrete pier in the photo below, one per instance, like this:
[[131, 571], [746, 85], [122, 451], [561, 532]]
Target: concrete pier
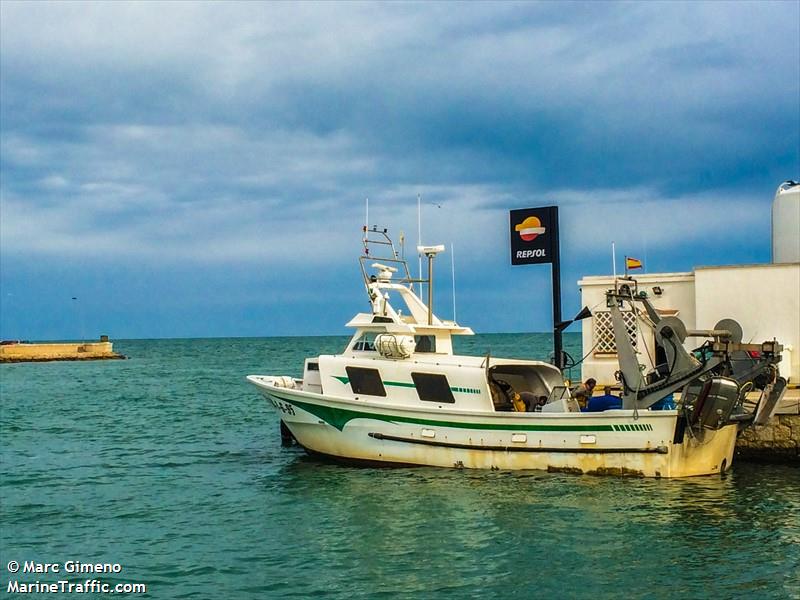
[[28, 352], [778, 440]]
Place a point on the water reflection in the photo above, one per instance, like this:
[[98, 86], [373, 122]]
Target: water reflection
[[489, 530]]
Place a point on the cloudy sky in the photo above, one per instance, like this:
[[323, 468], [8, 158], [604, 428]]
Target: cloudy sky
[[199, 169]]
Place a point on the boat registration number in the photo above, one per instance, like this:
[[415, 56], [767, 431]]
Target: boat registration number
[[284, 407]]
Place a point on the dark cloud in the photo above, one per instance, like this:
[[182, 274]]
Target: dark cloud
[[146, 136]]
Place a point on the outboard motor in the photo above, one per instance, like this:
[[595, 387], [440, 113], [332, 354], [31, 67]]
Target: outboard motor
[[709, 403]]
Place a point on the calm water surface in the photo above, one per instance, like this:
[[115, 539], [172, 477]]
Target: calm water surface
[[170, 464]]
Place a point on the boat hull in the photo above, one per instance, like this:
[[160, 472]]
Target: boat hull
[[617, 442]]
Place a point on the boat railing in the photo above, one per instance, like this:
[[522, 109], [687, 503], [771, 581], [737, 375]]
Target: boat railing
[[379, 238]]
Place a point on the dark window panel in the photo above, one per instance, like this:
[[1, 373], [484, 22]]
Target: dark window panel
[[433, 388]]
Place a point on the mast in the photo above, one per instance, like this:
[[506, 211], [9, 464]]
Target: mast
[[430, 252]]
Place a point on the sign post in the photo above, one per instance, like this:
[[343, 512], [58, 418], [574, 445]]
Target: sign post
[[534, 240]]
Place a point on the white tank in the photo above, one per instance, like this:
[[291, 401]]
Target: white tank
[[786, 223], [390, 345]]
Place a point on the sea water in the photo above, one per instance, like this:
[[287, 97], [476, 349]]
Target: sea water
[[169, 465]]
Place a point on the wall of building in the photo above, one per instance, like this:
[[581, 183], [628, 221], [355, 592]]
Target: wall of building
[[764, 299]]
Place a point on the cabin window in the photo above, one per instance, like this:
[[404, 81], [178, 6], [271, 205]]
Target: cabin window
[[313, 366], [432, 388], [365, 381], [366, 343], [425, 343]]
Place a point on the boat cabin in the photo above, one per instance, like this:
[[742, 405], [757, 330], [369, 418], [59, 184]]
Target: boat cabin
[[404, 357]]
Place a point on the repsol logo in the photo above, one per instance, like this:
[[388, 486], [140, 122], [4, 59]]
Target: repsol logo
[[537, 252]]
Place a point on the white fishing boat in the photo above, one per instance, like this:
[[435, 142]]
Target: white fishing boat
[[398, 394]]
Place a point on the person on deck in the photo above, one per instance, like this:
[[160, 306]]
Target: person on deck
[[584, 391]]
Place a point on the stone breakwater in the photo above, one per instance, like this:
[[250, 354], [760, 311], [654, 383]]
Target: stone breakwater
[[102, 350], [778, 440]]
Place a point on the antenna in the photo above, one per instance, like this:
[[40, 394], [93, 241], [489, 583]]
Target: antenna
[[365, 237], [453, 269], [419, 240]]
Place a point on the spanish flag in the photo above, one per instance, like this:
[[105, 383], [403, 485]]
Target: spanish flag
[[632, 263]]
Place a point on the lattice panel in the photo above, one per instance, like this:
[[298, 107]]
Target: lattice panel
[[604, 331]]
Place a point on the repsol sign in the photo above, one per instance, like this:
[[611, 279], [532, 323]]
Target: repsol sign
[[537, 253], [534, 235]]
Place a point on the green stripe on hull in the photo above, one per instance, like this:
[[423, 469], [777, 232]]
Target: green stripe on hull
[[339, 417], [400, 384], [633, 427]]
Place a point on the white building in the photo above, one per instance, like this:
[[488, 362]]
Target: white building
[[764, 299]]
